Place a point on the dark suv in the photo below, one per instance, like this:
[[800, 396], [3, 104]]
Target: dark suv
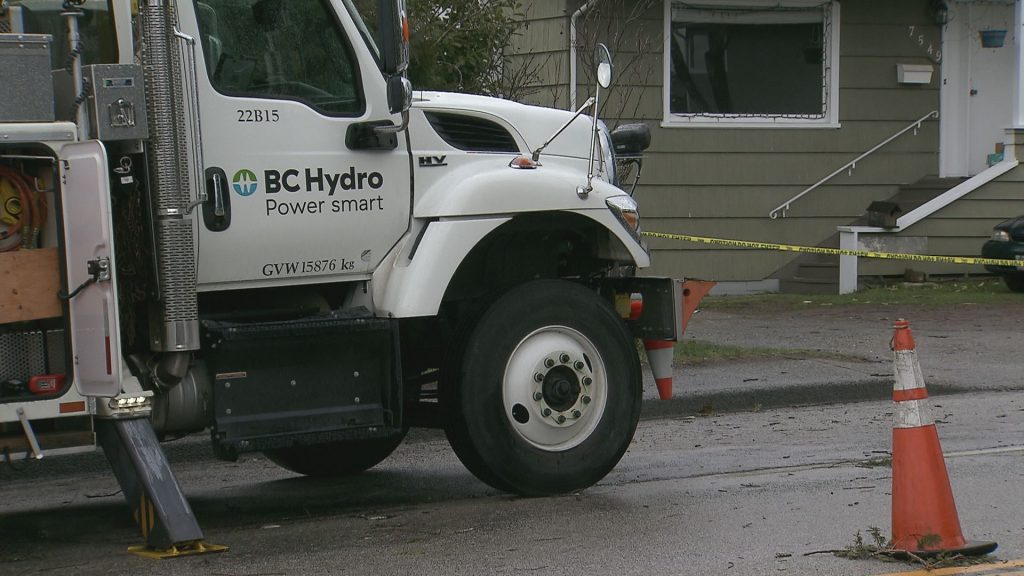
[[1007, 243]]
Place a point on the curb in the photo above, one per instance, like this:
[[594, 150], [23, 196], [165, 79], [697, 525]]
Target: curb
[[754, 399]]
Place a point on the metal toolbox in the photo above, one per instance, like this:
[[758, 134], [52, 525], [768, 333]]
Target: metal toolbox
[[26, 84], [117, 101]]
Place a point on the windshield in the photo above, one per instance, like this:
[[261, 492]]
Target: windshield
[[364, 14]]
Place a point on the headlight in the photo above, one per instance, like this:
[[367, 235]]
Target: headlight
[[607, 156], [1000, 235], [625, 210]]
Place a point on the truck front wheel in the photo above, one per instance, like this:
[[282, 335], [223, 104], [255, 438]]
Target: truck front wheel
[[543, 394], [337, 458]]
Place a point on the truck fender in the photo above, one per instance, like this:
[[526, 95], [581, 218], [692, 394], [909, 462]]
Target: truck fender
[[414, 279]]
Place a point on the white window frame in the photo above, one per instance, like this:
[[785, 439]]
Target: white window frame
[[677, 120]]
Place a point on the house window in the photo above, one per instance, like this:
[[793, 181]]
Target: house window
[[755, 63]]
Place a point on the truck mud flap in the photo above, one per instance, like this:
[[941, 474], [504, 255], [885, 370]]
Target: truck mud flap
[[662, 305], [300, 382]]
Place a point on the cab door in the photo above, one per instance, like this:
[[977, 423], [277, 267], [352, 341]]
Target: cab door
[[301, 187]]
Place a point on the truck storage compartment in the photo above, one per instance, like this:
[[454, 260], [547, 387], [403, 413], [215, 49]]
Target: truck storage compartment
[[307, 381], [32, 327], [30, 281], [27, 58], [32, 362]]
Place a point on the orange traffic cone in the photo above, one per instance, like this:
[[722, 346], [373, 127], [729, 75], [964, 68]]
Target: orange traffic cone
[[693, 292], [660, 352], [924, 517], [659, 357]]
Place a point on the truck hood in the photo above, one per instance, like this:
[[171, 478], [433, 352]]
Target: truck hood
[[533, 124]]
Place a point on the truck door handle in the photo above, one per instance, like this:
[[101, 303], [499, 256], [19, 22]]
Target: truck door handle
[[218, 196], [217, 214], [365, 136]]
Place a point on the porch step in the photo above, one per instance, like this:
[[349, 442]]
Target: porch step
[[911, 196], [813, 274], [819, 270], [819, 274], [798, 285]]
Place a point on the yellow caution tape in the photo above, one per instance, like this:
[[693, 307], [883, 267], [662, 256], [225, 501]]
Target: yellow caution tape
[[834, 251]]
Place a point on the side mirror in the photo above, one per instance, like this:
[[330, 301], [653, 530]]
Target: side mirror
[[603, 58], [630, 140], [393, 23], [399, 94], [399, 100]]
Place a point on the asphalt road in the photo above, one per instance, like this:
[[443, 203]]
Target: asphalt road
[[741, 493], [786, 464]]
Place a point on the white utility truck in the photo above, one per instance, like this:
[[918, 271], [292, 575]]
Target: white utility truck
[[237, 216]]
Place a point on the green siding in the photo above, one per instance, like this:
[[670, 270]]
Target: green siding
[[745, 202], [880, 72], [542, 36], [542, 9], [541, 49], [907, 103], [723, 181], [856, 138], [797, 169], [886, 40]]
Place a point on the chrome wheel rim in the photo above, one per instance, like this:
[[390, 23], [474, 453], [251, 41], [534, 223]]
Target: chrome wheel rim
[[555, 388]]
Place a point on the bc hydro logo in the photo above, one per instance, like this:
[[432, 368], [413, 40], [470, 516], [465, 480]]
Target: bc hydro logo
[[244, 182]]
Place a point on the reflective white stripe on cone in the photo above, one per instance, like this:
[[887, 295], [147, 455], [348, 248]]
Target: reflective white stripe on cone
[[659, 357]]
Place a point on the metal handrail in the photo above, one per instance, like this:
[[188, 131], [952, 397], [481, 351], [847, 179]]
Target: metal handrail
[[915, 125]]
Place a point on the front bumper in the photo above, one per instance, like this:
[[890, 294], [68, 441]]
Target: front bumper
[[1012, 250]]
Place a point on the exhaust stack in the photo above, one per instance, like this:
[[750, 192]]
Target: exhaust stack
[[174, 319]]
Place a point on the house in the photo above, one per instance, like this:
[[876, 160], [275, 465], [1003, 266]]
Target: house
[[783, 120]]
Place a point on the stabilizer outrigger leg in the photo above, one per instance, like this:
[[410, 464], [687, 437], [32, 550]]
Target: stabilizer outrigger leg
[[159, 506]]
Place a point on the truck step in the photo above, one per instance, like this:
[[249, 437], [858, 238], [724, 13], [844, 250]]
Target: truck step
[[306, 381]]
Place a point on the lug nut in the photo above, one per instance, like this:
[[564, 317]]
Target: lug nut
[[564, 358], [538, 377], [587, 381], [537, 396], [561, 419], [546, 412], [586, 399], [578, 365], [576, 413], [549, 362]]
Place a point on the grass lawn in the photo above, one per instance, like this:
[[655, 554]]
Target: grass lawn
[[978, 290], [986, 291], [695, 352]]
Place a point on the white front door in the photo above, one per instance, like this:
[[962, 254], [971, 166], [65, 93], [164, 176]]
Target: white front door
[[302, 189], [977, 85]]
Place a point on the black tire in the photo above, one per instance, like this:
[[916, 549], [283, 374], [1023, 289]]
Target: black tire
[[499, 387], [337, 458], [1014, 282]]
